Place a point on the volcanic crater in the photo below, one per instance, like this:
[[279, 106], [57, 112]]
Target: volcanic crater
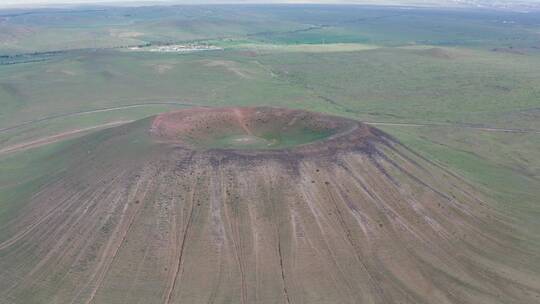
[[261, 130], [257, 205]]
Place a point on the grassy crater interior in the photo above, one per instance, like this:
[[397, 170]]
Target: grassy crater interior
[[247, 128]]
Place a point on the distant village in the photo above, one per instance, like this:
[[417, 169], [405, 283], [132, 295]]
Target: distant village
[[177, 48]]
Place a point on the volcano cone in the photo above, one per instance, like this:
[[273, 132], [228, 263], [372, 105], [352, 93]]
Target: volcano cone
[[256, 205]]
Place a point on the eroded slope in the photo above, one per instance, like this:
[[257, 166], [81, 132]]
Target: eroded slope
[[157, 212]]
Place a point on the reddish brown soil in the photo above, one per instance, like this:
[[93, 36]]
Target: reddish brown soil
[[178, 127], [139, 216]]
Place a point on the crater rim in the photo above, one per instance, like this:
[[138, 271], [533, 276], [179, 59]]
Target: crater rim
[[260, 130]]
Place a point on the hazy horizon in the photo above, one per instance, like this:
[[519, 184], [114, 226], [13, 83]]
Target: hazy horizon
[[442, 3]]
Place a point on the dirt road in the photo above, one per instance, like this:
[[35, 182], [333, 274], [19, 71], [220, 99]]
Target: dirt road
[[56, 138], [487, 129], [64, 135], [108, 109]]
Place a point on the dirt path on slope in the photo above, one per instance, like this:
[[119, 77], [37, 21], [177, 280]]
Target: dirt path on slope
[[242, 121], [56, 138]]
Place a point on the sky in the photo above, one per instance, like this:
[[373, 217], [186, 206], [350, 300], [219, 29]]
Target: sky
[[30, 3], [25, 3]]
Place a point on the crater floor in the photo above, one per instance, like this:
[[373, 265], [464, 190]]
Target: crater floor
[[248, 128]]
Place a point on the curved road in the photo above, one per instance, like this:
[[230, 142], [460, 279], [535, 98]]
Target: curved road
[[465, 126], [57, 137], [380, 123], [121, 107], [68, 134]]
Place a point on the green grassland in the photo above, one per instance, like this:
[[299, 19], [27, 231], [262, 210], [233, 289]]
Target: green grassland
[[104, 27], [447, 70]]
